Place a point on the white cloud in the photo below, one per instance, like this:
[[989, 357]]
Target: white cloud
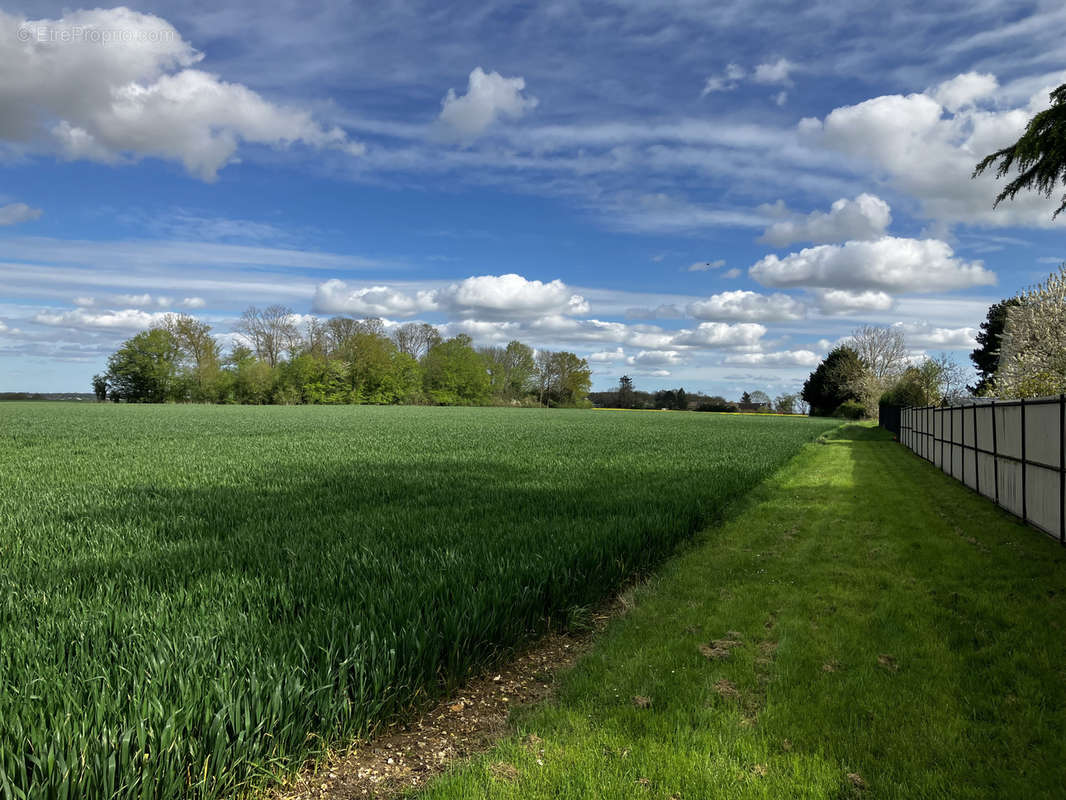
[[488, 97], [964, 90], [336, 297], [928, 143], [736, 272], [140, 97], [721, 335], [81, 318], [490, 297], [726, 82], [784, 358], [656, 358], [509, 295], [845, 301], [927, 335], [193, 302], [14, 213], [774, 72], [889, 264], [780, 98], [865, 217], [745, 306], [607, 356], [704, 266]]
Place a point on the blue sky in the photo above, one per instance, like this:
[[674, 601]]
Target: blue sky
[[699, 194]]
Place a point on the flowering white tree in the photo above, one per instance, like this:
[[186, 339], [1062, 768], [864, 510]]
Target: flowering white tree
[[1032, 361]]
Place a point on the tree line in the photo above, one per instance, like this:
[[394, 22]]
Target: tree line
[[339, 360], [873, 366], [1021, 352], [627, 396]]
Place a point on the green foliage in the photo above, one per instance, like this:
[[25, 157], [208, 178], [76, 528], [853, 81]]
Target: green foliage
[[512, 371], [145, 368], [931, 382], [673, 399], [454, 373], [341, 360], [100, 387], [850, 409], [833, 382], [882, 645], [232, 590], [986, 357], [786, 403], [1039, 155]]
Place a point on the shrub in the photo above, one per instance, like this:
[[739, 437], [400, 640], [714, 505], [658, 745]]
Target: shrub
[[850, 409]]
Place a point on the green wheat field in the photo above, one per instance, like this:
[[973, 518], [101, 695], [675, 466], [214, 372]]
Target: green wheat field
[[194, 598]]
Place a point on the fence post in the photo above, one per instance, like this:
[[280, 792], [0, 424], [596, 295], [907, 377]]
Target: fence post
[[995, 454], [1025, 509], [976, 454], [951, 416], [1062, 469]]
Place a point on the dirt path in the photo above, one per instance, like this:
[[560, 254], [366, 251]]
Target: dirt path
[[407, 754]]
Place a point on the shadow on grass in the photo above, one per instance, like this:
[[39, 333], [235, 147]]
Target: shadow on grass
[[858, 432]]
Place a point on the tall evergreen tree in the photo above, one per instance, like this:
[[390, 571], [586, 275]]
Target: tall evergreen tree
[[989, 340], [1039, 155]]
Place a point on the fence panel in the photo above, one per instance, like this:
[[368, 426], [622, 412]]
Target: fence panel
[[1013, 452]]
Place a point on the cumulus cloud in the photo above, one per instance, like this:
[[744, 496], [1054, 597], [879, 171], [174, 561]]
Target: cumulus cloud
[[656, 358], [14, 213], [721, 335], [745, 306], [865, 217], [336, 297], [489, 297], [927, 335], [784, 358], [964, 90], [126, 319], [889, 264], [774, 72], [607, 356], [927, 144], [193, 302], [704, 266], [845, 301], [141, 97], [509, 295], [488, 97]]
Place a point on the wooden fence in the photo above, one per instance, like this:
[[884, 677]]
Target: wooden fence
[[1013, 452]]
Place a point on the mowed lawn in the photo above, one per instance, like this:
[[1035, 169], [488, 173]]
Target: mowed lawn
[[195, 598], [864, 627]]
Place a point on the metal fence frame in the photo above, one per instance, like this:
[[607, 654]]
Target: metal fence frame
[[951, 438]]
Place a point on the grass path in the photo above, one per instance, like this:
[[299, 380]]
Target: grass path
[[864, 626]]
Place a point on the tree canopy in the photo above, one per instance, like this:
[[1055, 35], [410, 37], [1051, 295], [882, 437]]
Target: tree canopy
[[833, 381], [985, 357], [1039, 155], [339, 360]]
